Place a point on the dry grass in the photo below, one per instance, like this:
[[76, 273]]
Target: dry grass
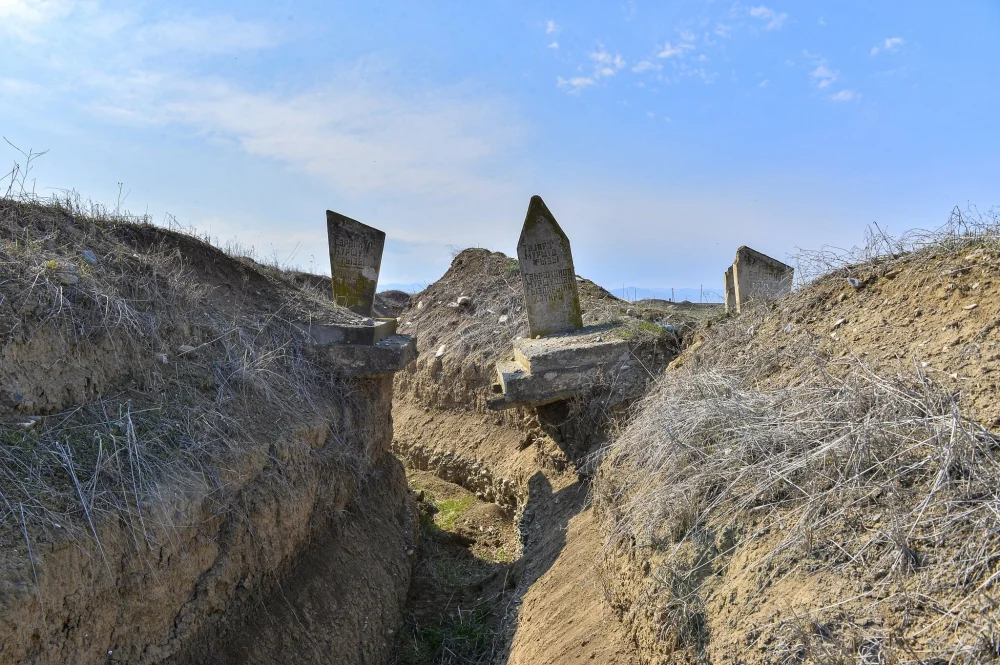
[[838, 468], [206, 377]]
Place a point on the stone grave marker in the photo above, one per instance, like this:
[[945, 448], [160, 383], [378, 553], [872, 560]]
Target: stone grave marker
[[355, 260], [758, 276], [730, 290], [547, 274]]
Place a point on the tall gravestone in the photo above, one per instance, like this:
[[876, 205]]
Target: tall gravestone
[[547, 274], [355, 260], [730, 290], [758, 276]]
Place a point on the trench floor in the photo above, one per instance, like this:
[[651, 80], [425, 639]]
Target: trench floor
[[463, 577]]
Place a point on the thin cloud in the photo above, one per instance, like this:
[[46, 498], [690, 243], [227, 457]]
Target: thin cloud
[[552, 28], [723, 30], [670, 50], [823, 76], [25, 18], [209, 35], [775, 20], [645, 66], [845, 96], [889, 45], [606, 64], [554, 46], [574, 85]]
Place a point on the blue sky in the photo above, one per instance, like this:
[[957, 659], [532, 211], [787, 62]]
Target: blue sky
[[662, 135]]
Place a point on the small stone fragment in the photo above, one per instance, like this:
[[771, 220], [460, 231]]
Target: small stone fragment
[[420, 305], [838, 323], [853, 281], [503, 319], [464, 301], [453, 305], [185, 348], [440, 351], [89, 256], [972, 306], [161, 358]]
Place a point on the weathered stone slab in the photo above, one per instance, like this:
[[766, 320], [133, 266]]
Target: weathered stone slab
[[730, 290], [345, 334], [355, 261], [552, 369], [757, 276], [389, 355], [547, 274]]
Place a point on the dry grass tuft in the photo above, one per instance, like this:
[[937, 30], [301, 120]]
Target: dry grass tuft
[[182, 370], [858, 499]]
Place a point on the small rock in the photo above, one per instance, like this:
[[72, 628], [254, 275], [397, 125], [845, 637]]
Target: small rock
[[630, 312], [67, 278], [89, 256], [419, 496], [367, 321], [838, 323], [599, 339], [853, 281], [440, 351], [503, 319], [464, 301], [972, 306], [185, 348], [420, 305], [788, 328], [453, 305], [161, 358]]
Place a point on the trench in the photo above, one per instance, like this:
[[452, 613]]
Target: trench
[[507, 560]]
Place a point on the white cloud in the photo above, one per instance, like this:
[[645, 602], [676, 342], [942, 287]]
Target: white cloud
[[670, 50], [554, 46], [723, 30], [645, 66], [845, 96], [24, 18], [17, 87], [764, 83], [823, 76], [774, 19], [552, 28], [607, 64], [650, 114], [208, 35], [889, 45], [575, 84]]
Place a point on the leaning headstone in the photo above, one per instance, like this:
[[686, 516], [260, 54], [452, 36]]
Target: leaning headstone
[[547, 274], [730, 291], [355, 260], [759, 277]]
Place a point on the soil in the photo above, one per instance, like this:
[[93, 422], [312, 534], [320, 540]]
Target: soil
[[535, 465], [184, 480]]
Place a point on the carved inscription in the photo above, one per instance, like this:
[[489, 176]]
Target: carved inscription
[[547, 274], [355, 259]]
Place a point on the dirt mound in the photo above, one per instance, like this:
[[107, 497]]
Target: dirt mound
[[391, 303], [533, 464], [814, 481], [167, 432]]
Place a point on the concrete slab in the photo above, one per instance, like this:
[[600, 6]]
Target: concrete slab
[[556, 368], [387, 356], [337, 334]]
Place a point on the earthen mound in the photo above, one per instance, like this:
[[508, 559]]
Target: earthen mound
[[815, 481]]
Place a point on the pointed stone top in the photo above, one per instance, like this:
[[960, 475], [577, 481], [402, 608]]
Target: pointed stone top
[[355, 261], [547, 273]]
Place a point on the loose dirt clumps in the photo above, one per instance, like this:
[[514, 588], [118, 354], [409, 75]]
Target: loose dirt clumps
[[815, 481]]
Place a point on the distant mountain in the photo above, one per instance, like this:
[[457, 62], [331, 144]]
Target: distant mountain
[[632, 293]]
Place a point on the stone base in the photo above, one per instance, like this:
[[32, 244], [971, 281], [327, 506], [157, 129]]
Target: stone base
[[334, 334], [389, 355], [556, 368]]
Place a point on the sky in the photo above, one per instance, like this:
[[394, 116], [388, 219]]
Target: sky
[[662, 135]]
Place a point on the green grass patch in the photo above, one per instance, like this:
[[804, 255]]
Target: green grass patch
[[450, 510]]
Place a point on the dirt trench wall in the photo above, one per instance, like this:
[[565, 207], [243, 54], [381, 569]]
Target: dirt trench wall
[[303, 557]]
